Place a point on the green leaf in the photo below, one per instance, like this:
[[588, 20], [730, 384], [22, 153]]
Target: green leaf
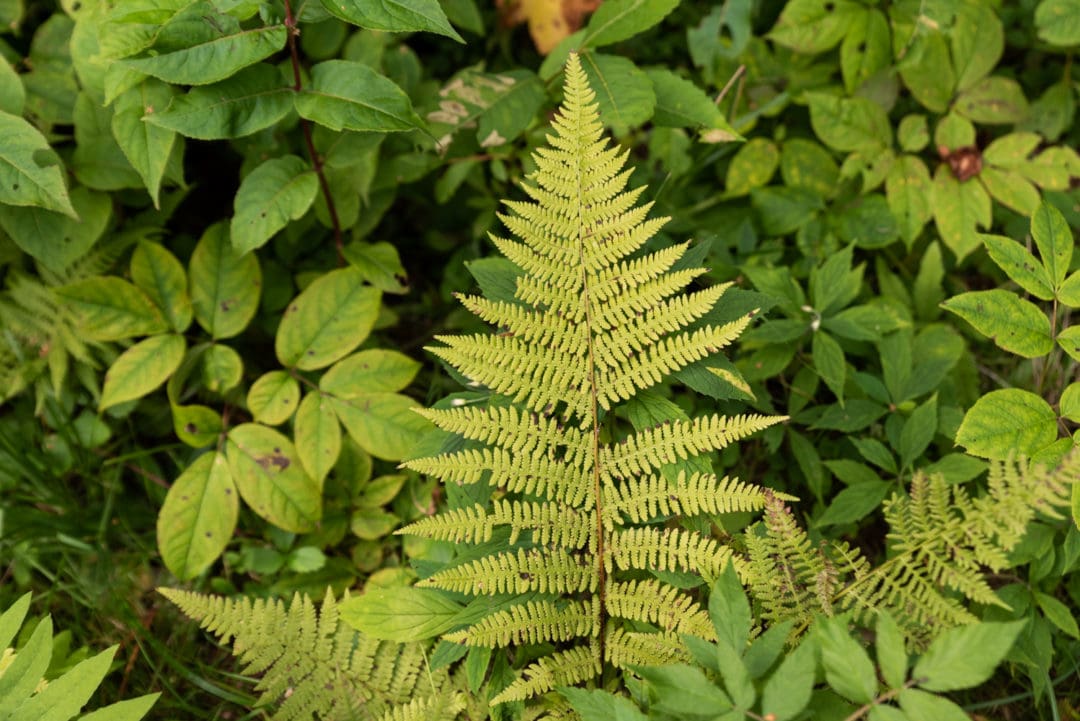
[[908, 193], [1069, 403], [11, 619], [912, 133], [131, 709], [279, 190], [55, 240], [1058, 22], [1012, 150], [1014, 324], [212, 59], [318, 435], [141, 369], [598, 705], [384, 424], [1057, 613], [159, 274], [197, 520], [848, 668], [978, 41], [372, 524], [12, 93], [30, 172], [829, 363], [110, 308], [752, 167], [892, 657], [919, 429], [682, 104], [499, 105], [682, 689], [1011, 189], [97, 160], [927, 70], [147, 147], [345, 95], [268, 472], [854, 503], [814, 26], [273, 397], [328, 319], [65, 696], [853, 473], [993, 100], [788, 690], [783, 209], [866, 49], [27, 669], [806, 164], [921, 706], [958, 209], [1055, 241], [1069, 340], [730, 610], [1069, 292], [197, 426], [402, 614], [848, 124], [220, 368], [965, 656], [1007, 421], [224, 284], [254, 99], [866, 221], [618, 20], [1020, 265], [625, 94], [369, 371], [395, 16], [380, 265]]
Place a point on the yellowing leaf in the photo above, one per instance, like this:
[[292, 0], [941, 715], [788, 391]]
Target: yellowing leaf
[[550, 21], [198, 517], [141, 368]]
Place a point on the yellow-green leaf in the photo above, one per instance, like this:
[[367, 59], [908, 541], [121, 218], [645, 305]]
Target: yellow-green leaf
[[1005, 422], [318, 435], [1014, 324], [273, 397], [959, 210], [141, 369], [383, 424], [279, 190], [111, 308], [1019, 264], [147, 147], [161, 276], [345, 95], [1055, 241], [224, 284], [196, 521], [265, 466], [30, 172], [369, 371]]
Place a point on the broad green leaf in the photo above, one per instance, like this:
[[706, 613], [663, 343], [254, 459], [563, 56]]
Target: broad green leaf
[[197, 426], [402, 614], [682, 689], [11, 619], [892, 657], [111, 308], [1057, 613], [912, 134], [866, 221], [141, 369], [829, 363], [853, 473], [131, 709], [380, 265], [866, 49], [97, 160], [993, 100], [965, 656], [23, 674], [599, 705], [1055, 241], [1012, 150], [729, 610], [147, 147], [959, 209], [927, 70], [977, 41], [499, 105], [1014, 324], [395, 16], [196, 521], [1058, 22], [30, 172], [957, 468], [1069, 340], [1011, 189], [848, 669], [681, 104], [318, 435], [369, 371], [1069, 403], [385, 425], [254, 99], [220, 368], [752, 167], [55, 240], [854, 503], [265, 467], [625, 93], [372, 524], [159, 274], [806, 164], [782, 209], [12, 93], [919, 429], [954, 132], [848, 124], [814, 26], [1069, 292], [618, 20], [835, 283], [1019, 264], [224, 284], [352, 96], [328, 319], [64, 697], [214, 58], [788, 690], [921, 706], [279, 190], [273, 397], [908, 192], [927, 291], [1005, 422]]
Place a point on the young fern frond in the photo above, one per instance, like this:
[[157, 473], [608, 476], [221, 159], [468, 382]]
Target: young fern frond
[[314, 665], [594, 321], [941, 541]]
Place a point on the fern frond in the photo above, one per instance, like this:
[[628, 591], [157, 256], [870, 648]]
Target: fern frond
[[562, 668], [671, 549], [531, 622], [651, 601], [632, 648], [644, 498], [428, 709], [517, 572]]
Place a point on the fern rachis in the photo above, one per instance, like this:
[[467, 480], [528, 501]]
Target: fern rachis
[[594, 321]]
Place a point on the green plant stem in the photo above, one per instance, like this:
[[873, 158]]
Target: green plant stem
[[866, 708], [305, 127]]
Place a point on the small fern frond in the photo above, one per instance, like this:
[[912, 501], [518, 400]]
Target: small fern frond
[[517, 572], [531, 622], [562, 668], [428, 709], [633, 648], [645, 498], [650, 601], [671, 549]]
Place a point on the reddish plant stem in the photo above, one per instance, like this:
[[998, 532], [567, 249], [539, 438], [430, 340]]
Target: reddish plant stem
[[305, 127]]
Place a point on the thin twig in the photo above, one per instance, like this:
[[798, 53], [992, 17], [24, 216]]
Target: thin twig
[[731, 81]]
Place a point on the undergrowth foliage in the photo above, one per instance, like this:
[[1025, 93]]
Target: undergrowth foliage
[[593, 321]]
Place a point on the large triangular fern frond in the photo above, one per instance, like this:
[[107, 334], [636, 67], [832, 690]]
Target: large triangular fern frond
[[315, 666], [941, 542], [595, 319]]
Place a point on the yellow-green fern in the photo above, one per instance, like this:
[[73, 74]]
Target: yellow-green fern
[[594, 320]]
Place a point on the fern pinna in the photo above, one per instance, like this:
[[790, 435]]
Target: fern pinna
[[594, 320]]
